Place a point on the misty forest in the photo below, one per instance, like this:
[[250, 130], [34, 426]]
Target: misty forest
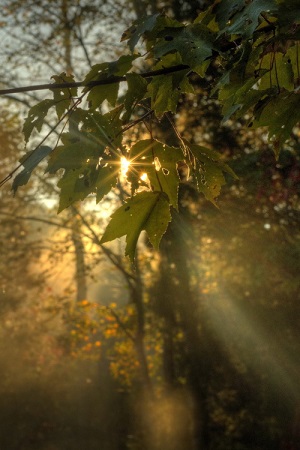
[[150, 225]]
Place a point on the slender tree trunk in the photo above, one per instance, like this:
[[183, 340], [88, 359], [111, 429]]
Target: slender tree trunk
[[138, 301], [67, 36], [80, 268]]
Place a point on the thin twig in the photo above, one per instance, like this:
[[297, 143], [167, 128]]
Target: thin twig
[[10, 175], [121, 324], [135, 122], [114, 259]]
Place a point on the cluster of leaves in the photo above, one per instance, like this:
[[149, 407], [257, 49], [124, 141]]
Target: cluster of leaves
[[91, 324], [250, 50], [96, 327]]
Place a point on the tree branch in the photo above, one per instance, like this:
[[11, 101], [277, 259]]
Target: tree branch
[[114, 259], [109, 80]]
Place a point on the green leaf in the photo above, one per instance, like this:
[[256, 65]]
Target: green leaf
[[75, 185], [165, 91], [279, 72], [208, 171], [141, 160], [105, 130], [74, 155], [98, 71], [88, 156], [163, 175], [85, 147], [63, 97], [105, 71], [254, 98], [138, 28], [234, 96], [137, 88], [193, 42], [78, 182], [204, 153], [208, 18], [291, 58], [246, 21], [110, 127], [29, 162], [163, 22], [122, 65], [36, 116], [148, 211], [159, 162], [226, 9], [98, 94], [281, 114], [163, 97], [289, 12], [107, 178], [168, 60]]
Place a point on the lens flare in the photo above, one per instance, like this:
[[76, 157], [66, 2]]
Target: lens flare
[[144, 177], [125, 163]]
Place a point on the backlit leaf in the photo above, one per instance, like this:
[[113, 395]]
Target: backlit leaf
[[63, 96], [164, 175], [193, 42], [122, 65], [107, 178], [165, 91], [139, 27], [148, 211], [226, 9], [137, 88], [281, 114], [208, 171], [98, 94], [75, 185], [104, 71], [279, 72], [73, 155], [163, 97], [36, 116], [29, 162], [159, 162], [245, 20]]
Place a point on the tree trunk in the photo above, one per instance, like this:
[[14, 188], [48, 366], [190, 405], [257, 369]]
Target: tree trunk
[[136, 292], [67, 37], [185, 306], [80, 270]]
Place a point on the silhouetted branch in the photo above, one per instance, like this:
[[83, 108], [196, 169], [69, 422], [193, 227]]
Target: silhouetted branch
[[90, 84]]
